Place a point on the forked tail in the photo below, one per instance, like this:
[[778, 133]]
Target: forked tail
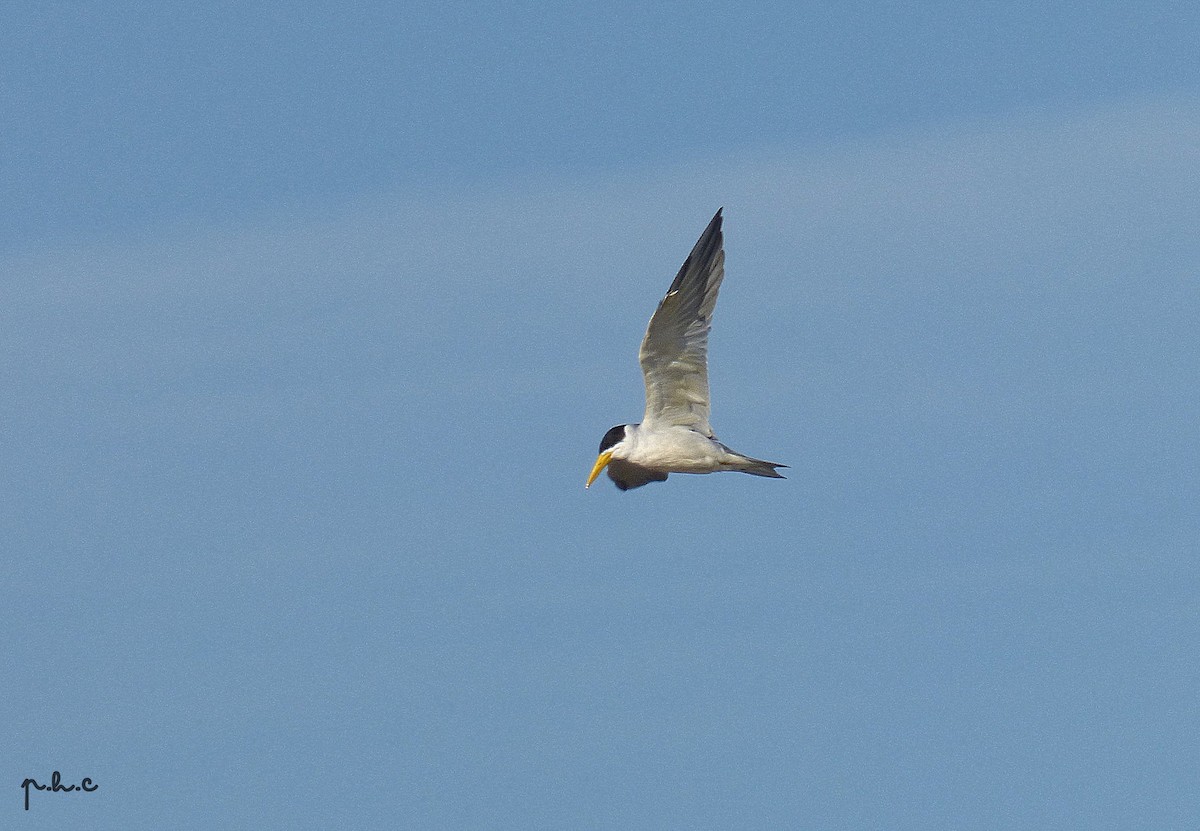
[[755, 467]]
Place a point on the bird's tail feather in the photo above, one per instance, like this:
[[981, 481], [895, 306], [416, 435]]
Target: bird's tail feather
[[755, 467]]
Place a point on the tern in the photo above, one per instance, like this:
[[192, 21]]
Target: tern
[[674, 435]]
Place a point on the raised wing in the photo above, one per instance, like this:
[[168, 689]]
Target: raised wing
[[674, 353]]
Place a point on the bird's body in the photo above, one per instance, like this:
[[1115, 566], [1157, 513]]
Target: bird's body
[[674, 435]]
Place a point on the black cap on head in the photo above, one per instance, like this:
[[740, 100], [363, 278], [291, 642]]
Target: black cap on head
[[612, 437]]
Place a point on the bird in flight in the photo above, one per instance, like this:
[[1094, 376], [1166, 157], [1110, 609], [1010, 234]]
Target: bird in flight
[[675, 436]]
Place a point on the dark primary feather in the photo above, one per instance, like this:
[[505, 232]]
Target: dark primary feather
[[627, 476], [703, 252]]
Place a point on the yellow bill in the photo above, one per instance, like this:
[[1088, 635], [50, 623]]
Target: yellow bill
[[601, 463]]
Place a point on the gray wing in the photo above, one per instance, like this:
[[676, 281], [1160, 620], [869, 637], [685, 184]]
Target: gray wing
[[674, 353]]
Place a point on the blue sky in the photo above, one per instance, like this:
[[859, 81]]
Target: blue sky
[[314, 317]]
